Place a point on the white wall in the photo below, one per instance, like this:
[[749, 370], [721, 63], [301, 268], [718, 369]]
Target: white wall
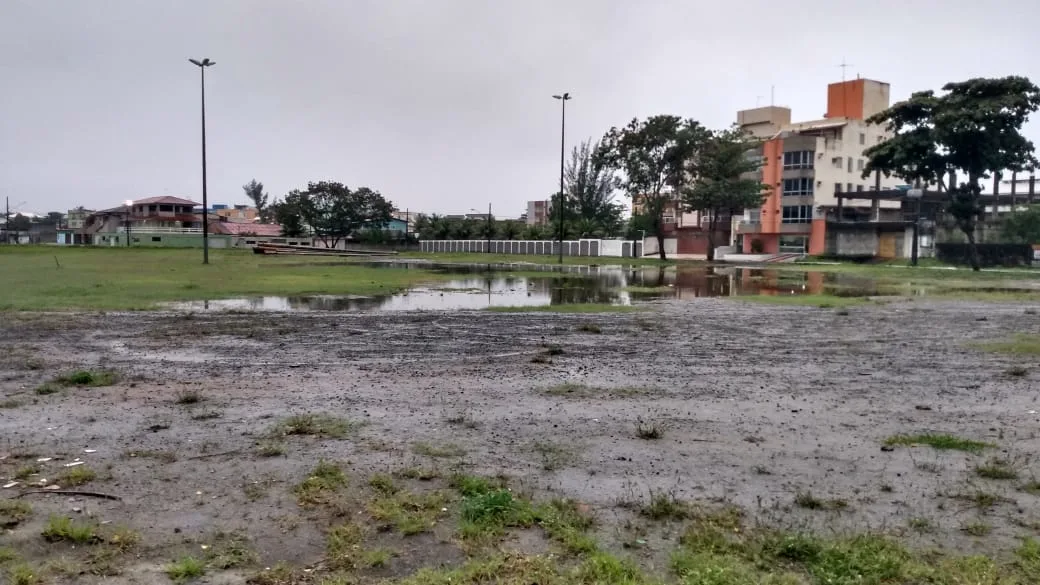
[[827, 174]]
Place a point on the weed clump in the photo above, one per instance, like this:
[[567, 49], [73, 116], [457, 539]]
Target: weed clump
[[938, 441]]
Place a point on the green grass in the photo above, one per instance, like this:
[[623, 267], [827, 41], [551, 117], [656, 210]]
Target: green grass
[[996, 469], [316, 425], [229, 550], [76, 476], [1021, 344], [62, 528], [569, 308], [823, 301], [142, 278], [23, 574], [321, 485], [665, 506], [343, 546], [938, 441], [185, 569], [572, 390], [78, 378], [810, 502], [407, 512], [10, 403], [490, 513], [13, 512]]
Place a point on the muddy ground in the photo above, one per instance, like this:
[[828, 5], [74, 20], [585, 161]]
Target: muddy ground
[[756, 404]]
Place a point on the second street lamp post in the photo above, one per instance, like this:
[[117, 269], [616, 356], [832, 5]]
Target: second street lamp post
[[205, 201], [563, 130]]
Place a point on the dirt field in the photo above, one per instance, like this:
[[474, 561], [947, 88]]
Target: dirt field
[[780, 411]]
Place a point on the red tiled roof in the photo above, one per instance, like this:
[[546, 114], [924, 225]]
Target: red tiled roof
[[243, 229], [175, 217], [166, 200]]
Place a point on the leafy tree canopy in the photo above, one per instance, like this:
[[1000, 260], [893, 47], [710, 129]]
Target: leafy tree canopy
[[972, 130]]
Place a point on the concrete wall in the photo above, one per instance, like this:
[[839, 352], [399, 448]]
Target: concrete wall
[[591, 248]]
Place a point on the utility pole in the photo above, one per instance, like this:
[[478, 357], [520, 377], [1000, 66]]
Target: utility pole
[[7, 220], [489, 230], [563, 131], [205, 202]]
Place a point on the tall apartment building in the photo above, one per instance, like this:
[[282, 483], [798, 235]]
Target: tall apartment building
[[538, 212], [805, 163]]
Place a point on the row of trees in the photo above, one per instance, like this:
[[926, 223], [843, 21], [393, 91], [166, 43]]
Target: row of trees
[[330, 211]]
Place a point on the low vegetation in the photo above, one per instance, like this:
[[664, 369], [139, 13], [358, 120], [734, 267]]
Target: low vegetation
[[810, 502], [321, 485], [63, 528], [1021, 344], [76, 476], [78, 378], [13, 512], [438, 451], [996, 469], [315, 425], [568, 308], [938, 441], [185, 568], [407, 512]]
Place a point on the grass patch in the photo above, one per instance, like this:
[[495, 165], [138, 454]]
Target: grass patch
[[489, 513], [319, 487], [938, 441], [649, 430], [590, 328], [23, 574], [554, 456], [207, 415], [438, 451], [383, 483], [228, 551], [567, 523], [810, 502], [189, 397], [315, 425], [1020, 344], [822, 301], [408, 512], [996, 469], [979, 499], [79, 379], [141, 278], [474, 485], [76, 476], [665, 506], [64, 529], [977, 528], [568, 308], [185, 569], [921, 525], [24, 472], [270, 449], [343, 546], [1017, 372], [419, 473], [10, 403], [13, 512], [1032, 487]]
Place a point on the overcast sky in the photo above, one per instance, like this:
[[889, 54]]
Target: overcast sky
[[441, 105]]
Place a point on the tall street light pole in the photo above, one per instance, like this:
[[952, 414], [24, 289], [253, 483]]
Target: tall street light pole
[[563, 131], [205, 200]]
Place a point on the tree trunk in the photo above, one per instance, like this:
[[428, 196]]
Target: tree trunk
[[973, 251], [711, 238], [660, 244]]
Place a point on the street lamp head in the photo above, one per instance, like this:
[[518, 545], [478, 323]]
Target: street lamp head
[[202, 63], [128, 202], [565, 97]]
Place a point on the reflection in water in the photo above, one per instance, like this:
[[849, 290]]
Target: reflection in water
[[481, 286]]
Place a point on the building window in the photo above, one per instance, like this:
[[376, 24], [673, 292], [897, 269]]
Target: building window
[[802, 186], [795, 244], [156, 238], [859, 164], [859, 187], [797, 214], [754, 216], [862, 138], [800, 159], [668, 219], [837, 162], [153, 208], [165, 208], [849, 188], [837, 187], [850, 166]]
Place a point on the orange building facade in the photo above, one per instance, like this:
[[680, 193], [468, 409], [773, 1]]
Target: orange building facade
[[804, 164]]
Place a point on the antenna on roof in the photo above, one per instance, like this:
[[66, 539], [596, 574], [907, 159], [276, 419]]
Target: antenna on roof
[[772, 95], [844, 66]]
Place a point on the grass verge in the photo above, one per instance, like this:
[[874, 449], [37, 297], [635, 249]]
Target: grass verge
[[938, 441]]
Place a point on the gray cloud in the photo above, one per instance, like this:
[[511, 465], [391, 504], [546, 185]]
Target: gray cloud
[[441, 105]]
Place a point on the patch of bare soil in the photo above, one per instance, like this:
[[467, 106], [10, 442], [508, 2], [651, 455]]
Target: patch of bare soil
[[213, 432]]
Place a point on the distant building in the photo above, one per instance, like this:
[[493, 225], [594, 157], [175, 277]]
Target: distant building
[[236, 213], [805, 163], [537, 212]]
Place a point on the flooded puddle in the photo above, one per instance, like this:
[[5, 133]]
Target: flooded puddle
[[482, 286]]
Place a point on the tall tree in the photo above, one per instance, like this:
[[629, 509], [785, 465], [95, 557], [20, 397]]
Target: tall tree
[[972, 130], [287, 214], [651, 156], [591, 186], [255, 192], [334, 212], [720, 186]]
